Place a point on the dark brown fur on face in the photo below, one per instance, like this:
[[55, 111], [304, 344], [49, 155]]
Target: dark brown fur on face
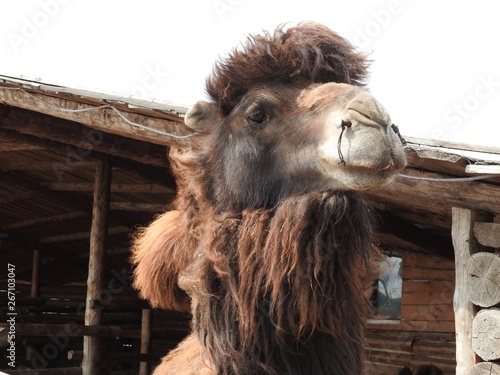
[[276, 262]]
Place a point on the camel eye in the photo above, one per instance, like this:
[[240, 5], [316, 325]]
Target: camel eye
[[258, 118]]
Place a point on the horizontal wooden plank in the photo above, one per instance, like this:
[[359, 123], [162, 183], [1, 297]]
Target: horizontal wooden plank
[[417, 273], [416, 325], [437, 198], [75, 108], [427, 292], [81, 235], [44, 220], [401, 342], [483, 168], [428, 312], [115, 188], [410, 360], [145, 207], [434, 349], [427, 262], [374, 368]]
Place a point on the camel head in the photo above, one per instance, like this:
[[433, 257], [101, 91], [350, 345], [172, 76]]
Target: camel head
[[332, 136], [289, 115]]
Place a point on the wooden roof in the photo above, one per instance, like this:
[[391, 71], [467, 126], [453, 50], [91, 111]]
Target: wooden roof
[[51, 138], [48, 154]]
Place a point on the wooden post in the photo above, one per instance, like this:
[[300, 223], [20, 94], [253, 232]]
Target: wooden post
[[35, 274], [145, 339], [91, 364], [462, 236], [35, 285]]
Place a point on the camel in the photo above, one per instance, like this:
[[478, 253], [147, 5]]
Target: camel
[[271, 246]]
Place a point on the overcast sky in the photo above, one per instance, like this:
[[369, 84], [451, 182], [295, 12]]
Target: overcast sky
[[436, 64]]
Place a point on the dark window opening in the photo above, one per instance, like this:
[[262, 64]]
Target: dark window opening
[[386, 296]]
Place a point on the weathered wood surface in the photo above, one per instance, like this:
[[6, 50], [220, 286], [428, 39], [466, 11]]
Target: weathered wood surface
[[104, 119], [483, 169], [486, 334], [44, 220], [410, 349], [461, 231], [81, 235], [486, 368], [487, 234], [91, 364], [115, 188], [84, 139], [145, 340], [437, 198], [484, 279]]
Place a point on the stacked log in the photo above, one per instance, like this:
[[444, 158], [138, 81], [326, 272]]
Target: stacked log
[[484, 292]]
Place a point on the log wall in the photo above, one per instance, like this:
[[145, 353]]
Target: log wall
[[426, 332], [481, 291]]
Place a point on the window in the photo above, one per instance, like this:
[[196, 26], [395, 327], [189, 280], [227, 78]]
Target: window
[[386, 296]]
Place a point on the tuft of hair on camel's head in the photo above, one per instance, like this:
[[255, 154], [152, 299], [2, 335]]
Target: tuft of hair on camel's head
[[271, 243]]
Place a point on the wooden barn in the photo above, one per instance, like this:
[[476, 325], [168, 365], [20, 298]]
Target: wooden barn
[[80, 171]]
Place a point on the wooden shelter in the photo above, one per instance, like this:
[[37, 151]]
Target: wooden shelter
[[79, 171]]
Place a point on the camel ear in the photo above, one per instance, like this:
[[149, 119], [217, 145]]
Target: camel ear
[[202, 116]]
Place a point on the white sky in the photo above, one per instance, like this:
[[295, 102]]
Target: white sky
[[436, 63]]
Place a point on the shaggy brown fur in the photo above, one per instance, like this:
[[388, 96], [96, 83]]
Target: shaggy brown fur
[[277, 266], [299, 56]]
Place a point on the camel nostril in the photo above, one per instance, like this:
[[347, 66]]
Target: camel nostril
[[342, 123], [367, 110]]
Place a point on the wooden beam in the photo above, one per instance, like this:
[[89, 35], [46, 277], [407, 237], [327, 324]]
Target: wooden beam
[[84, 140], [140, 207], [40, 166], [452, 145], [35, 286], [91, 364], [104, 119], [483, 169], [35, 275], [115, 188], [438, 197], [423, 239], [72, 329], [463, 238], [12, 198], [145, 340], [81, 235], [9, 146], [67, 157], [44, 220]]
